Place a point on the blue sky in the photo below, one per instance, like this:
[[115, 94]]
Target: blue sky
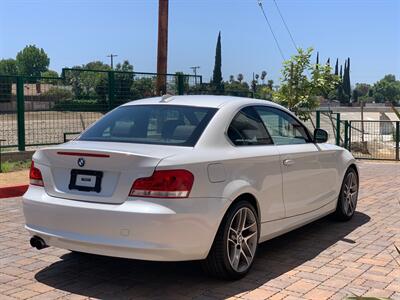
[[74, 32]]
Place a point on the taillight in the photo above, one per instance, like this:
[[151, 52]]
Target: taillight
[[35, 176], [164, 184]]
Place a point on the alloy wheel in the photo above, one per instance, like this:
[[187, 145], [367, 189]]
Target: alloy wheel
[[242, 239], [350, 194]]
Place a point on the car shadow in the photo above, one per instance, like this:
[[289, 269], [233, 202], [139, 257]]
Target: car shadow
[[116, 278]]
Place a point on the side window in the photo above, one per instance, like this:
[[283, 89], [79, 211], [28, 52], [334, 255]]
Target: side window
[[247, 129], [283, 128]]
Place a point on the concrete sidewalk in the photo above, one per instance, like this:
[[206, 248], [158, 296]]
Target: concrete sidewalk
[[323, 260]]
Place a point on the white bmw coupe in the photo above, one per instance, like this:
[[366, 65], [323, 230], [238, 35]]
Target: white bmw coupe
[[187, 178]]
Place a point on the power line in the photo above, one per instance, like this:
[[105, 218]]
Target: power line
[[270, 28], [286, 26]]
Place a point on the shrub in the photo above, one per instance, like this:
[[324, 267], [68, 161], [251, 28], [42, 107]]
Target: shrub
[[79, 105], [56, 93]]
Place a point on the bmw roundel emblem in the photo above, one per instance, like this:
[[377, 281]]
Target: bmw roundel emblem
[[81, 162]]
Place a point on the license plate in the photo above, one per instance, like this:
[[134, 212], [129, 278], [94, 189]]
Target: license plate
[[85, 180]]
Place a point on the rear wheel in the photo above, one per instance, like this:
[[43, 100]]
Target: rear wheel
[[235, 244], [347, 201]]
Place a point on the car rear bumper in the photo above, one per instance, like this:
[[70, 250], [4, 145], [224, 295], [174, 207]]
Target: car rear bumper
[[148, 229]]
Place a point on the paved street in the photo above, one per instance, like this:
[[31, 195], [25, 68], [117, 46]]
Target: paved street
[[323, 260]]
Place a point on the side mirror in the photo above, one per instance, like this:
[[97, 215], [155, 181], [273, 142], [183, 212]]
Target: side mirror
[[320, 136]]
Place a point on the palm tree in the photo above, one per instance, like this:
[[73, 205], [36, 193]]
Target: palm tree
[[231, 78], [240, 77], [263, 76]]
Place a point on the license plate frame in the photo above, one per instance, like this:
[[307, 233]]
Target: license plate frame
[[74, 174]]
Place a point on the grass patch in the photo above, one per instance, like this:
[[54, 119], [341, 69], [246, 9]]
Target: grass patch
[[11, 166]]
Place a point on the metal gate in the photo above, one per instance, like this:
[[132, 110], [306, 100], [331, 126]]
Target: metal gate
[[374, 139]]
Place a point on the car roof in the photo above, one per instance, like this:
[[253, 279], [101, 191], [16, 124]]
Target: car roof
[[204, 101]]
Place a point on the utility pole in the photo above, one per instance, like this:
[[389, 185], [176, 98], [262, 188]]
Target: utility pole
[[162, 50], [195, 73], [112, 59]]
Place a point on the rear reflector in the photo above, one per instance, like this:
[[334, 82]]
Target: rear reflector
[[35, 176], [82, 154], [164, 184]]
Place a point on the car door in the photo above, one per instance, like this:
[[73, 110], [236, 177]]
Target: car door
[[257, 162], [306, 185]]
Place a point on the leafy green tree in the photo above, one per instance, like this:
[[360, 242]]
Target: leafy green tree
[[123, 81], [323, 81], [265, 93], [237, 88], [362, 89], [240, 77], [355, 96], [7, 67], [87, 84], [49, 73], [124, 67], [217, 72], [143, 87], [387, 89], [32, 61], [297, 91]]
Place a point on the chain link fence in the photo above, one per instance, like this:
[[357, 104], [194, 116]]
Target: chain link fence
[[37, 111], [374, 139]]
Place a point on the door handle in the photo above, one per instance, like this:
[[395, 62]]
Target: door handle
[[288, 162]]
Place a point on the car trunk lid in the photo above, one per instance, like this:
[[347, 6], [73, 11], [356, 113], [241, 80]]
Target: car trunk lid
[[98, 171]]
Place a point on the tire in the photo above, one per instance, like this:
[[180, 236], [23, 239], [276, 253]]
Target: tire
[[347, 201], [232, 255]]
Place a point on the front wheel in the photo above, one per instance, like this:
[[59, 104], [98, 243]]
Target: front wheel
[[235, 244], [347, 201]]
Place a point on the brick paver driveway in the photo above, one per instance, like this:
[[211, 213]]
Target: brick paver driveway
[[323, 260]]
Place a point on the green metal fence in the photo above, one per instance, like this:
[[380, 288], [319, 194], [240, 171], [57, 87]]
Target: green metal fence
[[329, 121], [36, 111], [374, 139]]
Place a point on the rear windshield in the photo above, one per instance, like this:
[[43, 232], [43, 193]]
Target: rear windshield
[[151, 124]]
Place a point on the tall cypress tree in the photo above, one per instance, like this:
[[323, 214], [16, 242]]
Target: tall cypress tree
[[337, 67], [341, 94], [217, 73], [346, 80], [348, 73], [317, 61], [328, 62], [348, 83]]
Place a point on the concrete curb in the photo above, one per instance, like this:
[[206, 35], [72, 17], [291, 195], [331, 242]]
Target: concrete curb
[[13, 191]]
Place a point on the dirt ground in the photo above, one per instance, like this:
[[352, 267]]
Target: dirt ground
[[14, 178]]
